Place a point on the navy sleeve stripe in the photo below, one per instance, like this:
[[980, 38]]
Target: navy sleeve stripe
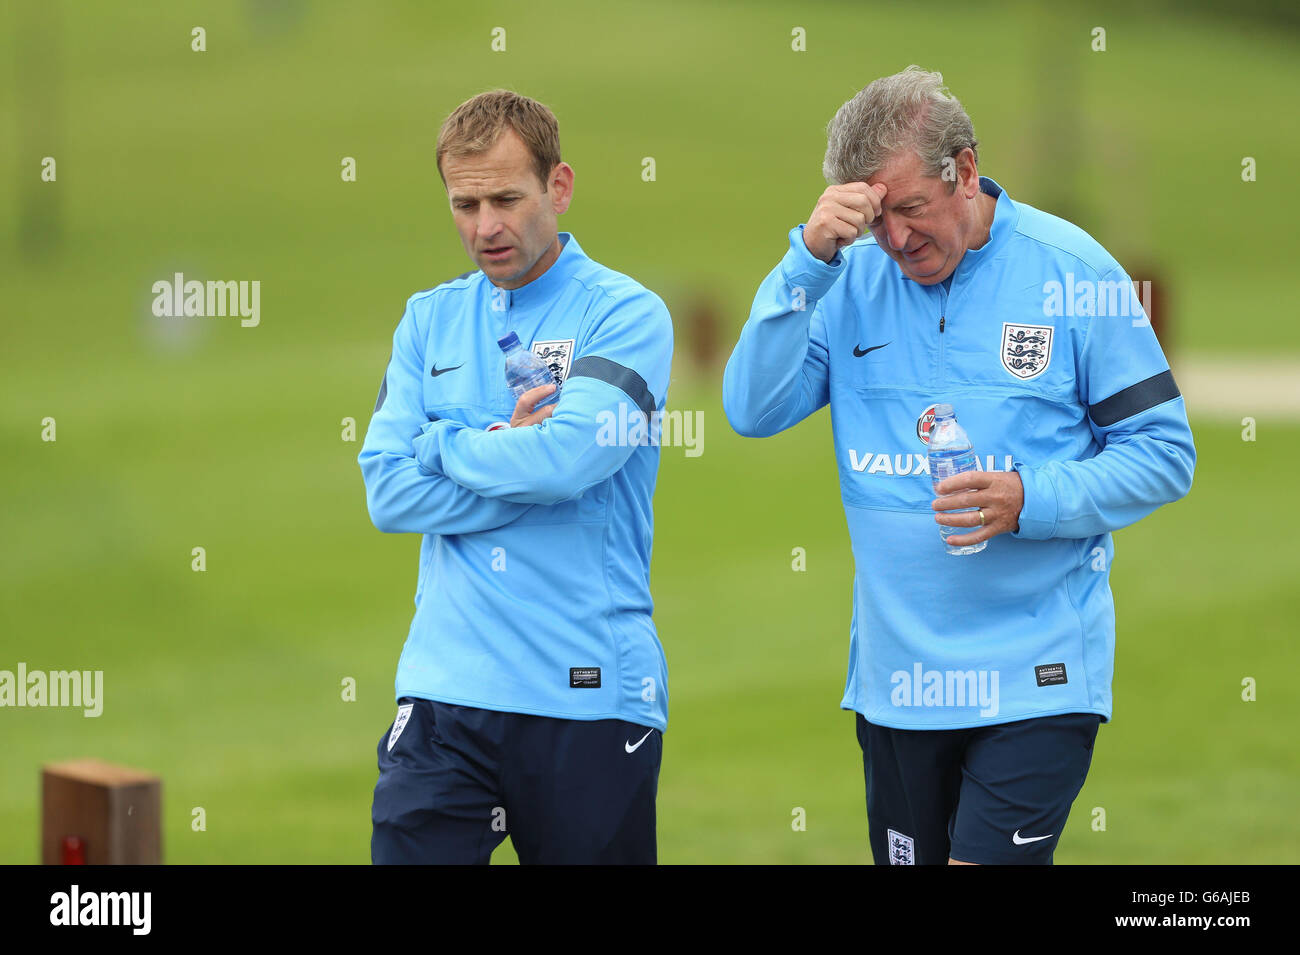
[[621, 377], [1134, 399], [383, 386]]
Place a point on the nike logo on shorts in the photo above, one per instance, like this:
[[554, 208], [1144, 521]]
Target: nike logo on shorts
[[633, 748]]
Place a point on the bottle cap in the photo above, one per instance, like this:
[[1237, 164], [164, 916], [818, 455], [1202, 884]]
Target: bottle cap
[[943, 411], [508, 342]]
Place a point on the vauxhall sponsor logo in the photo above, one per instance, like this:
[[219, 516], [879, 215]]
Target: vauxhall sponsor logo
[[898, 465]]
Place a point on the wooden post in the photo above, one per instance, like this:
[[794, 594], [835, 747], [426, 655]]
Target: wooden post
[[101, 814]]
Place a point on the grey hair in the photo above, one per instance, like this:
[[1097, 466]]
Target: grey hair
[[909, 109]]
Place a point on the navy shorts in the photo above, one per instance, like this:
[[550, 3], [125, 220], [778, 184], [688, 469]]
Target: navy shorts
[[454, 781], [993, 795]]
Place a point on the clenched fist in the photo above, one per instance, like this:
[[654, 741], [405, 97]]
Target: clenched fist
[[841, 217]]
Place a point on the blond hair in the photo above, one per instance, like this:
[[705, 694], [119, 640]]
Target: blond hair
[[476, 124]]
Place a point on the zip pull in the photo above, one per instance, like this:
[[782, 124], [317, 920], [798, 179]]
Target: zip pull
[[941, 320]]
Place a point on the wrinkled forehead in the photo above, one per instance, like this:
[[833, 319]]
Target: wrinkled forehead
[[905, 180], [507, 166]]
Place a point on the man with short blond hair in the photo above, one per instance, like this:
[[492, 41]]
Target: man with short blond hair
[[979, 680], [532, 687]]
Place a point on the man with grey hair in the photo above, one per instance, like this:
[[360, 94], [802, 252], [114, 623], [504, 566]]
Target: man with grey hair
[[978, 681]]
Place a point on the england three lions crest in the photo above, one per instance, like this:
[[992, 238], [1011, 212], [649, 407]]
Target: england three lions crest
[[1026, 349], [557, 356]]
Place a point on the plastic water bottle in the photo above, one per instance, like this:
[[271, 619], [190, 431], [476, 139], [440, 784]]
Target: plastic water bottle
[[951, 453], [525, 371]]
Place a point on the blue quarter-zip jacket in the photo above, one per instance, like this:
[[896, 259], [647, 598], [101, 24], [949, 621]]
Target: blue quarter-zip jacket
[[1043, 348], [533, 594]]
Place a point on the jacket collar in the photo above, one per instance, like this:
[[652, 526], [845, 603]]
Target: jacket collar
[[565, 266], [1005, 218]]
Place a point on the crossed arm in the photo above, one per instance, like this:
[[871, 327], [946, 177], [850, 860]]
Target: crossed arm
[[443, 477]]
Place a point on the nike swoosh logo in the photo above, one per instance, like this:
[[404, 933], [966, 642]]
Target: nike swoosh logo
[[1020, 842], [435, 371], [632, 749], [858, 352]]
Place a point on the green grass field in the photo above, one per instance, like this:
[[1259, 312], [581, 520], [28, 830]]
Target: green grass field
[[226, 165]]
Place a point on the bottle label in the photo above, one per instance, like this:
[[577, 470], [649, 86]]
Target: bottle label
[[943, 466]]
